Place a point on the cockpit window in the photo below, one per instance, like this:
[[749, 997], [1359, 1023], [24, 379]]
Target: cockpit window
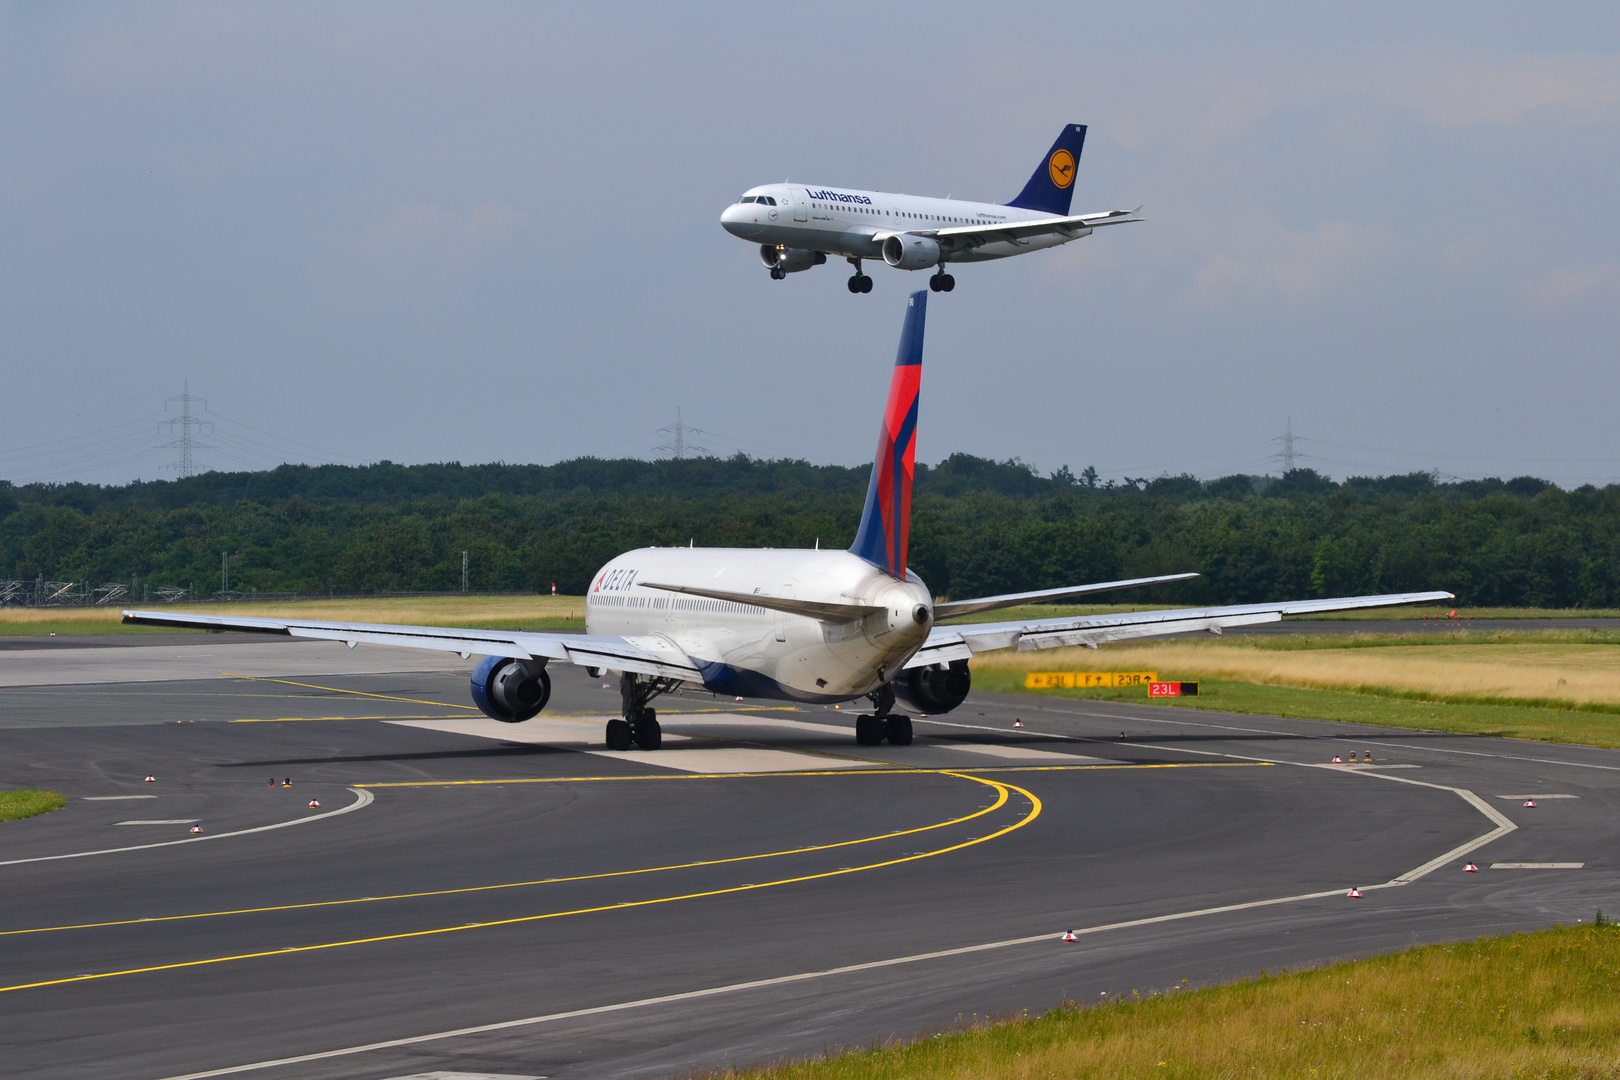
[[749, 198], [767, 200]]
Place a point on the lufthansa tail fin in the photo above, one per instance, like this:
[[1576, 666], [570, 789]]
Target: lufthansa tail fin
[[886, 521], [1052, 186]]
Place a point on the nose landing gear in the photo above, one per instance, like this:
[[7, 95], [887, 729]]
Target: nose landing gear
[[859, 283]]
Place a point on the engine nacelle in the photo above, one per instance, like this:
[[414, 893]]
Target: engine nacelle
[[904, 251], [510, 690], [790, 260], [933, 689]]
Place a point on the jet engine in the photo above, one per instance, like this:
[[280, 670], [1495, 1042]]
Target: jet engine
[[935, 689], [790, 260], [903, 251], [510, 690]]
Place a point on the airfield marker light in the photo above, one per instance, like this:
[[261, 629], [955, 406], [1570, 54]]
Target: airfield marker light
[[1530, 802], [1018, 723], [1470, 869], [272, 782], [553, 588], [1069, 935], [1354, 893], [287, 782], [314, 803], [1367, 755], [151, 779], [196, 828], [1336, 760]]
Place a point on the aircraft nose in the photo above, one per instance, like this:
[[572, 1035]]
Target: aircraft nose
[[738, 219]]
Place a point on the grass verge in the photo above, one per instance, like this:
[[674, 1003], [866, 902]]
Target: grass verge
[[1505, 721], [483, 612], [28, 802], [1544, 1004]]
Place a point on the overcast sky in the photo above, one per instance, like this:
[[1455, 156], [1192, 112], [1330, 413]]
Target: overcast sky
[[485, 232]]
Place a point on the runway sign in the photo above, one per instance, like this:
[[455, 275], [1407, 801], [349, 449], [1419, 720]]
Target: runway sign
[[1070, 680], [1173, 689]]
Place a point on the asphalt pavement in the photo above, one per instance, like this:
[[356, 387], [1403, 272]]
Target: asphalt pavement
[[513, 900]]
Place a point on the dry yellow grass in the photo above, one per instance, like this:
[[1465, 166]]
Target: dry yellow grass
[[1576, 674], [1543, 1005], [488, 611]]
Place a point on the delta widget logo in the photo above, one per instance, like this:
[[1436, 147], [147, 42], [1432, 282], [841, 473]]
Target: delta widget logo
[[1061, 166]]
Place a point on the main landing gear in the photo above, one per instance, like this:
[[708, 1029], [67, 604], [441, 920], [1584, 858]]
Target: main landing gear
[[640, 723], [777, 274], [860, 283], [941, 281], [872, 728]]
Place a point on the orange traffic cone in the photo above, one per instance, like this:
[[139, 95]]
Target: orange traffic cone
[[1470, 869], [1354, 894], [1068, 935], [313, 803]]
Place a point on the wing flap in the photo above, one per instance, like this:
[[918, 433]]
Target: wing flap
[[1072, 225]]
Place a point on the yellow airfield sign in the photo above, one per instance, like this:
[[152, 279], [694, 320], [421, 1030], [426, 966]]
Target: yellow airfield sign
[[1070, 680]]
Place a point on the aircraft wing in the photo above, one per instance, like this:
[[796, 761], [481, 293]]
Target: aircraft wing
[[955, 609], [947, 643], [650, 654], [962, 237]]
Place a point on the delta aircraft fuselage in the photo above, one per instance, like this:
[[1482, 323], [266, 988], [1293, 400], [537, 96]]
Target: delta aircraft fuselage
[[854, 223], [750, 651]]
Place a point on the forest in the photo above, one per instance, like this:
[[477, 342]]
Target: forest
[[979, 527]]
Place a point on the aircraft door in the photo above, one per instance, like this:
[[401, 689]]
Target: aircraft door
[[801, 205]]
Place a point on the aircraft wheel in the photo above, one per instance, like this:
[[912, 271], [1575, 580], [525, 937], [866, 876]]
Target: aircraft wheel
[[776, 273], [934, 283], [868, 730], [855, 284], [866, 283], [618, 735], [649, 736], [946, 283], [897, 729]]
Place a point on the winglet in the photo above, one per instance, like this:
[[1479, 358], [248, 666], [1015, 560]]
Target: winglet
[[1051, 187], [886, 520]]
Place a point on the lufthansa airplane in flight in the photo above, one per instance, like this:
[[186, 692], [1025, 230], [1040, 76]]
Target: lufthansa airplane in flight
[[798, 226], [790, 625]]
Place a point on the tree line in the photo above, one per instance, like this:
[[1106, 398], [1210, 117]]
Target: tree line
[[979, 527]]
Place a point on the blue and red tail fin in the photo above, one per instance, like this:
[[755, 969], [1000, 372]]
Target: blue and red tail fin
[[885, 528], [1052, 186]]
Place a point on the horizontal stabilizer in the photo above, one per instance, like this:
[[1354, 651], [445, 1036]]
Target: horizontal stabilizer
[[955, 609], [832, 613]]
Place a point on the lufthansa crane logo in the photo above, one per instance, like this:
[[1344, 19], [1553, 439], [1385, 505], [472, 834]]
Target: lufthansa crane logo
[[1061, 166]]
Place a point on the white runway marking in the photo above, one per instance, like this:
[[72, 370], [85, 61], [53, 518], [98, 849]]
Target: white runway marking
[[1537, 865], [583, 734], [111, 798], [1513, 797], [163, 821], [362, 798], [1018, 753]]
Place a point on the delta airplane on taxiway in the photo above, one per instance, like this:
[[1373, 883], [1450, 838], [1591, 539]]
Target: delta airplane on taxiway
[[797, 226], [791, 625]]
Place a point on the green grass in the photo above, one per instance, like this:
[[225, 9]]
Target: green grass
[[1544, 1004], [28, 802], [1514, 721]]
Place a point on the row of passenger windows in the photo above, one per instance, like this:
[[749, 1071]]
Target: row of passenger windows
[[766, 199], [676, 603], [918, 217]]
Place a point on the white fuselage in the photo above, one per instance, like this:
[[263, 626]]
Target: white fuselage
[[852, 223], [755, 652]]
